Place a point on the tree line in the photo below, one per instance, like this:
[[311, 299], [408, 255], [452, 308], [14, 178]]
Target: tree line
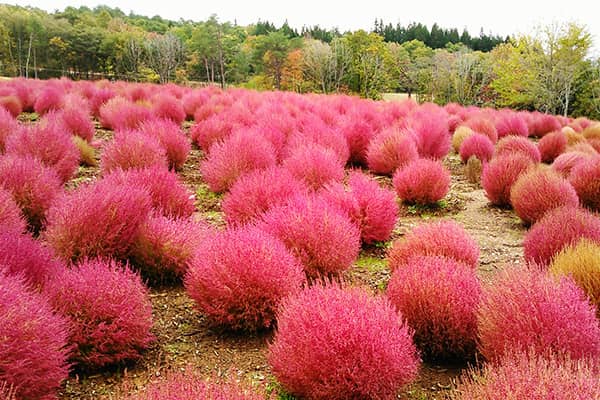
[[550, 70]]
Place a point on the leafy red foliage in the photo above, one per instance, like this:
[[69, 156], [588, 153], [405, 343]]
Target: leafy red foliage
[[527, 309], [517, 144], [48, 99], [171, 138], [132, 149], [441, 238], [500, 174], [315, 165], [11, 217], [109, 310], [483, 126], [422, 181], [340, 343], [33, 342], [542, 124], [389, 150], [165, 106], [429, 127], [119, 113], [552, 145], [78, 122], [238, 278], [476, 145], [564, 163], [585, 178], [538, 191], [8, 125], [559, 228], [511, 123]]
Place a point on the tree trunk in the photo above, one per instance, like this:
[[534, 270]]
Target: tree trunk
[[28, 55]]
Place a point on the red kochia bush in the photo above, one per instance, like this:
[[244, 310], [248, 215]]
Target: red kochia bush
[[168, 194], [559, 228], [564, 163], [442, 238], [78, 122], [99, 220], [258, 191], [528, 309], [33, 186], [511, 123], [109, 310], [517, 144], [533, 377], [500, 174], [214, 129], [164, 247], [49, 142], [538, 191], [191, 385], [238, 278], [8, 125], [11, 217], [12, 104], [552, 145], [315, 165], [431, 131], [585, 178], [337, 343], [171, 138], [358, 134], [422, 181], [389, 150], [236, 155], [168, 107], [477, 145], [48, 99], [27, 258], [483, 126], [121, 114], [132, 149], [33, 343], [325, 240], [372, 208], [438, 297]]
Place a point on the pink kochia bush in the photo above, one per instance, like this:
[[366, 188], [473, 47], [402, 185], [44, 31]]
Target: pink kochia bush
[[372, 208], [527, 309], [236, 155], [171, 138], [8, 125], [511, 123], [109, 310], [564, 163], [585, 178], [429, 127], [33, 343], [517, 144], [78, 122], [538, 191], [389, 150], [552, 145], [559, 228], [238, 278], [422, 181], [23, 256], [441, 238], [164, 247], [319, 234], [132, 149], [533, 377], [98, 220], [168, 107], [119, 113], [315, 165], [341, 343], [33, 186], [500, 174], [438, 297], [476, 145], [10, 215], [258, 191]]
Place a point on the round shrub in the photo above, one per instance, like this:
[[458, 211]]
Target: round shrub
[[429, 128], [592, 131], [212, 130], [552, 145], [459, 136], [11, 217], [585, 178], [337, 343], [542, 124], [441, 238], [358, 134], [518, 144], [483, 126], [389, 150], [559, 228], [132, 149], [171, 138], [500, 174], [422, 181], [109, 310], [530, 376], [169, 196], [314, 165], [564, 163], [8, 125], [165, 106], [581, 262], [48, 99], [438, 297], [164, 247], [33, 342], [538, 191], [238, 278], [584, 148], [477, 145], [511, 124], [12, 104], [98, 220], [238, 154], [23, 256], [119, 113], [33, 186], [258, 191], [325, 240], [526, 309], [78, 122], [190, 385]]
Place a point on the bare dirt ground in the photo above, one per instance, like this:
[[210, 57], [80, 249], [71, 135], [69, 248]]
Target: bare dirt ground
[[183, 336]]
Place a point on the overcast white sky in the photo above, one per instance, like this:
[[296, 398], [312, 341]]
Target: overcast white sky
[[499, 17]]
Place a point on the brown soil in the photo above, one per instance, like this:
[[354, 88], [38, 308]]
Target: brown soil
[[183, 336]]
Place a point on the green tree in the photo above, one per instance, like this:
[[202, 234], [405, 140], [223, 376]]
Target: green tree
[[369, 68]]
